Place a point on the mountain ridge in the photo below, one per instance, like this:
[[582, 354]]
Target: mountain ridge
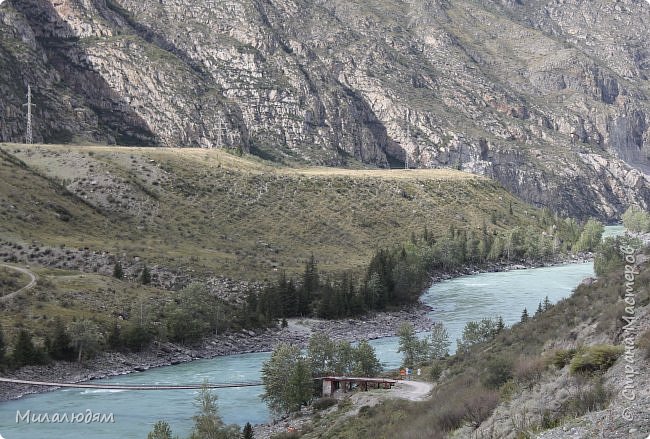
[[549, 99]]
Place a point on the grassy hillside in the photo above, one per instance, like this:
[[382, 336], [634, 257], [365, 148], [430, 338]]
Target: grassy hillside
[[70, 295], [239, 217], [536, 376]]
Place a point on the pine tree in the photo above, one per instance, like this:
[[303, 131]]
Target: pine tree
[[118, 272], [24, 352], [145, 276], [115, 338], [539, 309], [248, 431], [310, 287], [161, 430], [500, 325], [547, 304], [60, 345], [524, 316]]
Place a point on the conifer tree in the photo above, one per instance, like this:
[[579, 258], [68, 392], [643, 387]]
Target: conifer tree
[[161, 430], [59, 346], [118, 272], [145, 276], [24, 350], [248, 431], [524, 316], [500, 326]]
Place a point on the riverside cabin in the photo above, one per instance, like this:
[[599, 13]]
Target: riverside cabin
[[332, 384]]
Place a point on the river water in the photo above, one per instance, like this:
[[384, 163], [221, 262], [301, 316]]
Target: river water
[[454, 302]]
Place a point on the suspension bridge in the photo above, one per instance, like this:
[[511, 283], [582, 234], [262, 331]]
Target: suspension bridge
[[132, 386]]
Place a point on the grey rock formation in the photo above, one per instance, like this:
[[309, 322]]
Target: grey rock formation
[[548, 97]]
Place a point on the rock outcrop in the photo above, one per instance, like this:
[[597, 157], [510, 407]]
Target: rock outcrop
[[549, 98]]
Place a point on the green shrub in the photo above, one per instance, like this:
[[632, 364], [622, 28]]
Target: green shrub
[[367, 411], [508, 390], [595, 358], [323, 403], [136, 338], [562, 357], [498, 371], [436, 371]]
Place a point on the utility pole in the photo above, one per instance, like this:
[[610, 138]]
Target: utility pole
[[222, 133], [408, 136], [28, 134]]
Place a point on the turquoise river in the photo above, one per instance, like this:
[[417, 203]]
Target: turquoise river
[[454, 302]]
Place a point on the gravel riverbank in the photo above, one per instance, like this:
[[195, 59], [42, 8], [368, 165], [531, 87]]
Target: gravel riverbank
[[167, 354]]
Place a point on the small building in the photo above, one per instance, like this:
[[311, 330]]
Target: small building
[[332, 384]]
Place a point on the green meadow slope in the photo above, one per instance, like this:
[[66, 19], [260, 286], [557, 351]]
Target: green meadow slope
[[238, 217]]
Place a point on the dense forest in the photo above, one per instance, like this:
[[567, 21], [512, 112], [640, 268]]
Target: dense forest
[[396, 277]]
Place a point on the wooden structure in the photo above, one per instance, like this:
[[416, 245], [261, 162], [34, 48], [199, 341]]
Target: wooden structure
[[332, 384]]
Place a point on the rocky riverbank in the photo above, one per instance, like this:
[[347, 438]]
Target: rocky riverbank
[[496, 267], [167, 354]]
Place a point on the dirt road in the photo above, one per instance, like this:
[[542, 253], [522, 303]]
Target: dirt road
[[31, 283], [411, 390]]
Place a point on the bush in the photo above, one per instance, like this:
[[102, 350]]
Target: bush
[[644, 343], [561, 357], [636, 219], [323, 403], [136, 338], [596, 397], [498, 371], [508, 390], [595, 358], [528, 370], [480, 405], [436, 371]]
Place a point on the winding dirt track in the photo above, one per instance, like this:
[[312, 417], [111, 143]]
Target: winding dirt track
[[30, 285]]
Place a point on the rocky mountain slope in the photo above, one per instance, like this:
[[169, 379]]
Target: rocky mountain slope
[[550, 98]]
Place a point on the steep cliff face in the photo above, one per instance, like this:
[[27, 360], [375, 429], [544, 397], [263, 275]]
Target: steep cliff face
[[550, 98]]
